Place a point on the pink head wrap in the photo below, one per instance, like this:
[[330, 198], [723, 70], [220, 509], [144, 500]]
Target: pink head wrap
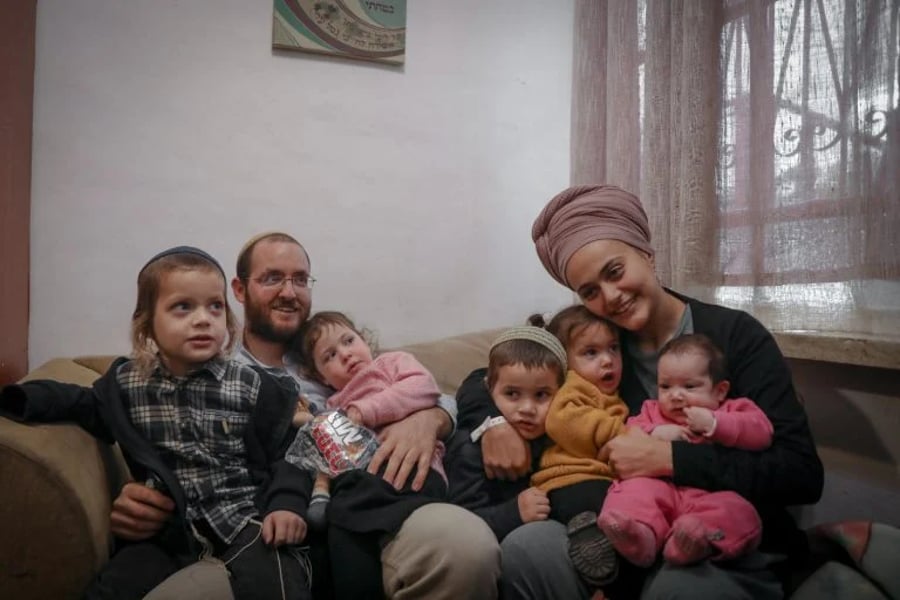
[[585, 213]]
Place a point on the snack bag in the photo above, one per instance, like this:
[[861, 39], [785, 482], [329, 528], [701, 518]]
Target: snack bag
[[332, 444]]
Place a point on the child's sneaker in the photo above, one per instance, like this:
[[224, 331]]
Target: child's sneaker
[[591, 552], [689, 542], [634, 540]]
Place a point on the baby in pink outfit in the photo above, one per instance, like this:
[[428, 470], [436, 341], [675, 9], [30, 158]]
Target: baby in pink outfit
[[360, 510], [642, 515]]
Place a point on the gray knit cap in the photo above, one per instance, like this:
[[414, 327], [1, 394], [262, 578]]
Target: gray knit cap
[[538, 335]]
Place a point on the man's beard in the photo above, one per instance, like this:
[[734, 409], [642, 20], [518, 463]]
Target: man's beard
[[260, 325]]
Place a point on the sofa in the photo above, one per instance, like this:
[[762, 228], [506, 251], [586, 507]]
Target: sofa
[[57, 484]]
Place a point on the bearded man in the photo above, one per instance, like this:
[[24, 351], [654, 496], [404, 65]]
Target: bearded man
[[441, 551]]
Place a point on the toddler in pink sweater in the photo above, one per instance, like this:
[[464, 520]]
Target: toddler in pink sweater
[[372, 391], [362, 508], [642, 515]]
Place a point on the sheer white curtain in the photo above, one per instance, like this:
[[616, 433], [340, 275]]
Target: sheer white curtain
[[764, 140]]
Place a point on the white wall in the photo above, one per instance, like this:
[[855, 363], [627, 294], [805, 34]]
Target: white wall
[[413, 188]]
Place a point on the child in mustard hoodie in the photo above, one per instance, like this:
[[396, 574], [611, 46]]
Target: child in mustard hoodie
[[584, 414]]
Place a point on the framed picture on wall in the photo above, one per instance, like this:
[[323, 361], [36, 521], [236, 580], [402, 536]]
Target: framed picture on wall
[[360, 29]]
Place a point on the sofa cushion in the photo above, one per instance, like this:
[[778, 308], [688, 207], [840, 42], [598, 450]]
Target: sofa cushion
[[451, 359]]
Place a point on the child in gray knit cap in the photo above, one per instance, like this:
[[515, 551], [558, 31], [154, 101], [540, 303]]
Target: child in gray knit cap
[[526, 366]]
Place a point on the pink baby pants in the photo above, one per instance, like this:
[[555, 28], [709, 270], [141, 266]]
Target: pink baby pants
[[733, 525]]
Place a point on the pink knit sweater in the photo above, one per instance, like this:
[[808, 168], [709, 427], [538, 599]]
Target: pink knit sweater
[[391, 388], [740, 423]]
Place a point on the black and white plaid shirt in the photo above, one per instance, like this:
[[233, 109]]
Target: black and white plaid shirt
[[197, 424]]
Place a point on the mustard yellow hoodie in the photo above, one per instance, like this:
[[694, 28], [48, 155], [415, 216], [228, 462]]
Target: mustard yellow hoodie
[[580, 420]]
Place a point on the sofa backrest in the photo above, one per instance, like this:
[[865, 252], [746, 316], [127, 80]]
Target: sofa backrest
[[81, 371], [449, 360]]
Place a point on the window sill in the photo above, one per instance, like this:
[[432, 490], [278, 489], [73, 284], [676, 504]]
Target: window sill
[[842, 348]]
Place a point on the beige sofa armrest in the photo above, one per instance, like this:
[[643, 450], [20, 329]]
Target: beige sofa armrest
[[56, 484], [54, 507]]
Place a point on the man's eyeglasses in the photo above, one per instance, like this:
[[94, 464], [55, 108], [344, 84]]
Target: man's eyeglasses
[[274, 280]]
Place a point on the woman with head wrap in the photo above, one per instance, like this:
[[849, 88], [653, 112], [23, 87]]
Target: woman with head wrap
[[595, 240]]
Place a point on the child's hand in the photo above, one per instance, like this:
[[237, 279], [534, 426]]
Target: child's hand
[[700, 420], [533, 505], [322, 483], [670, 433], [282, 527], [302, 414], [354, 415], [139, 512]]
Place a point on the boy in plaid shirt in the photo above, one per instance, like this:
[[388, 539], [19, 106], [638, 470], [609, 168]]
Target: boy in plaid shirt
[[210, 433]]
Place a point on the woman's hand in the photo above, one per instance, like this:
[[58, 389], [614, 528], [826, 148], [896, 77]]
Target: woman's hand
[[505, 454], [636, 454]]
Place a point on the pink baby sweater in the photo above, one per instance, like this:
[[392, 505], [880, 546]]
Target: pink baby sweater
[[740, 423], [391, 388]]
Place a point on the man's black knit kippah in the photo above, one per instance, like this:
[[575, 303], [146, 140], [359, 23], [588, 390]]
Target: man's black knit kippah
[[184, 250]]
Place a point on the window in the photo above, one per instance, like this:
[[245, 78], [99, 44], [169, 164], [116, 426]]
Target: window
[[808, 219]]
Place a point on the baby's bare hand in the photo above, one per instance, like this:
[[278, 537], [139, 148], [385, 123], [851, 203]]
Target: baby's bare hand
[[533, 505], [699, 420], [354, 415]]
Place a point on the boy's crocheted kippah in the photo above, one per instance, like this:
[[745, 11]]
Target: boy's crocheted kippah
[[539, 335], [184, 250]]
